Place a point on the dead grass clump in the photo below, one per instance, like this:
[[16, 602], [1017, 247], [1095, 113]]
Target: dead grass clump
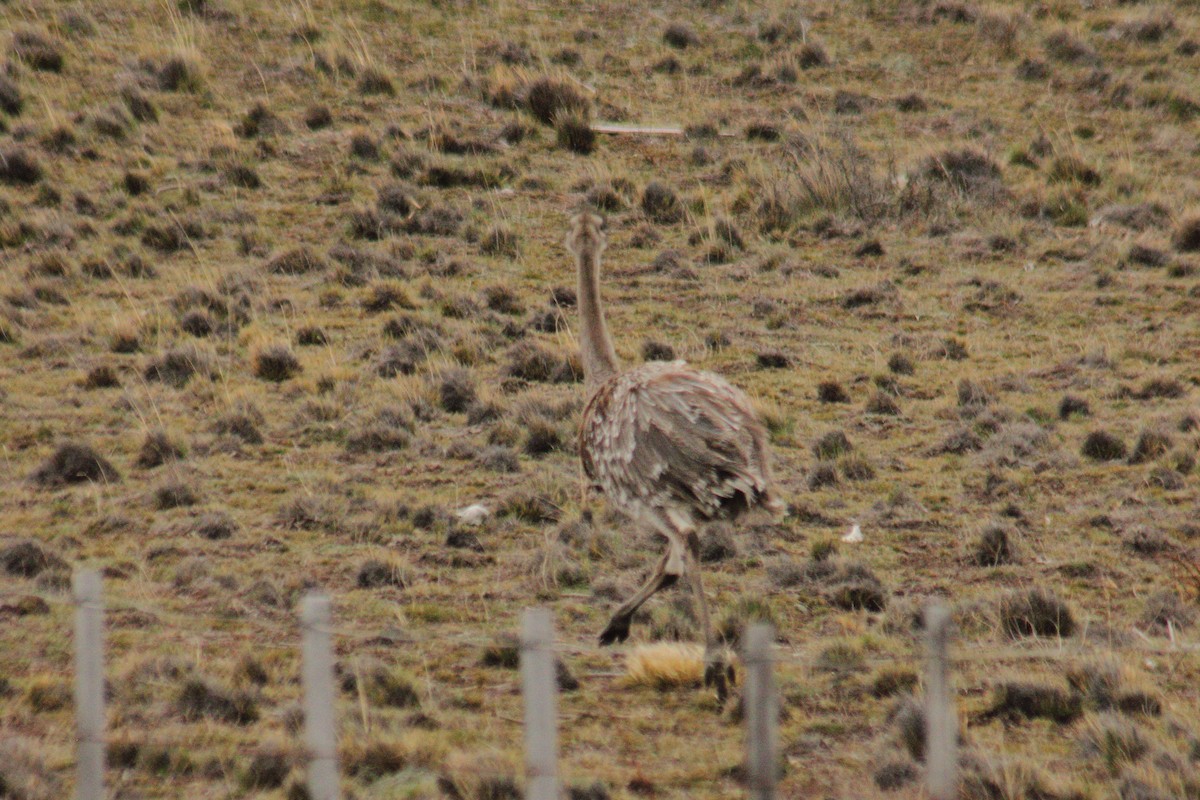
[[318, 117], [500, 241], [28, 559], [242, 423], [882, 404], [665, 665], [573, 131], [894, 774], [1038, 612], [1017, 700], [457, 391], [374, 81], [380, 435], [1159, 389], [11, 101], [531, 362], [1100, 445], [499, 459], [157, 449], [661, 204], [363, 146], [18, 167], [175, 493], [1114, 741], [832, 445], [832, 392], [968, 172], [657, 351], [1187, 235], [73, 462], [375, 574], [1071, 406], [680, 36], [297, 261], [1151, 444], [541, 437], [772, 359], [385, 296], [994, 546], [200, 699], [549, 98], [1166, 608], [260, 121], [1064, 47], [215, 526], [823, 473], [276, 364], [891, 681], [37, 50], [268, 768], [102, 376], [825, 176]]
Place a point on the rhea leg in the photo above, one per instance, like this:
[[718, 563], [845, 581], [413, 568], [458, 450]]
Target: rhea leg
[[717, 672], [666, 572]]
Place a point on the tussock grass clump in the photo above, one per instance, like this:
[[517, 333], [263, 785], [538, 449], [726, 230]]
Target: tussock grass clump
[[1151, 444], [501, 241], [531, 362], [1038, 612], [242, 423], [661, 204], [74, 462], [1071, 406], [680, 36], [772, 359], [276, 364], [28, 559], [318, 117], [157, 449], [665, 665], [1066, 48], [140, 107], [994, 546], [831, 445], [376, 573], [1186, 238], [1100, 445], [1115, 741], [11, 101], [297, 261], [832, 392], [18, 167], [549, 98], [175, 493], [268, 768], [37, 50], [968, 172], [1167, 607], [882, 404], [1015, 700], [457, 391], [199, 699], [657, 351], [215, 526], [102, 376], [374, 81], [573, 131]]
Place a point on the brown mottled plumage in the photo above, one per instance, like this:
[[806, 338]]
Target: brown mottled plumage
[[672, 447]]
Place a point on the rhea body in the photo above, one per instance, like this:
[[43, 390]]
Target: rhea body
[[670, 446]]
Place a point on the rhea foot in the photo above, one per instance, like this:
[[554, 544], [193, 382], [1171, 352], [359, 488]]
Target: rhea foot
[[617, 631]]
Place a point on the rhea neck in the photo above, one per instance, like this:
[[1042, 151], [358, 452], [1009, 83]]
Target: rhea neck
[[596, 347]]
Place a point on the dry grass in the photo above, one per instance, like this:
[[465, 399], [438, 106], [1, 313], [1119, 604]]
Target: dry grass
[[286, 282]]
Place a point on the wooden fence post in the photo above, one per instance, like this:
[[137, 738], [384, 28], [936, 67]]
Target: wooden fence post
[[762, 713], [89, 685], [941, 721], [319, 721], [539, 686]]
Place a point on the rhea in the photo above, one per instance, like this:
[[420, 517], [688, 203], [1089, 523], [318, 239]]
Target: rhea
[[671, 447]]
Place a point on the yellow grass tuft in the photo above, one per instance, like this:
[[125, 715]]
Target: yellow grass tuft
[[663, 665]]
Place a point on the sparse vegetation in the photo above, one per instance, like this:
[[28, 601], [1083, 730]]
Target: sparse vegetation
[[284, 304]]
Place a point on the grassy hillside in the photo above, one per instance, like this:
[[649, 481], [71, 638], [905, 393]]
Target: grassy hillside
[[283, 288]]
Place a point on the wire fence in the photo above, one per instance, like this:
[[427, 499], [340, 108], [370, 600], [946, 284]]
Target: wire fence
[[538, 648]]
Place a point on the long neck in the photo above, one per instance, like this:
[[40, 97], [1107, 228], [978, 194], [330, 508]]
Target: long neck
[[596, 348]]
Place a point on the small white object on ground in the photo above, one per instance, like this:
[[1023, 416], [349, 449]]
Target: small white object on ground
[[855, 534], [473, 514]]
